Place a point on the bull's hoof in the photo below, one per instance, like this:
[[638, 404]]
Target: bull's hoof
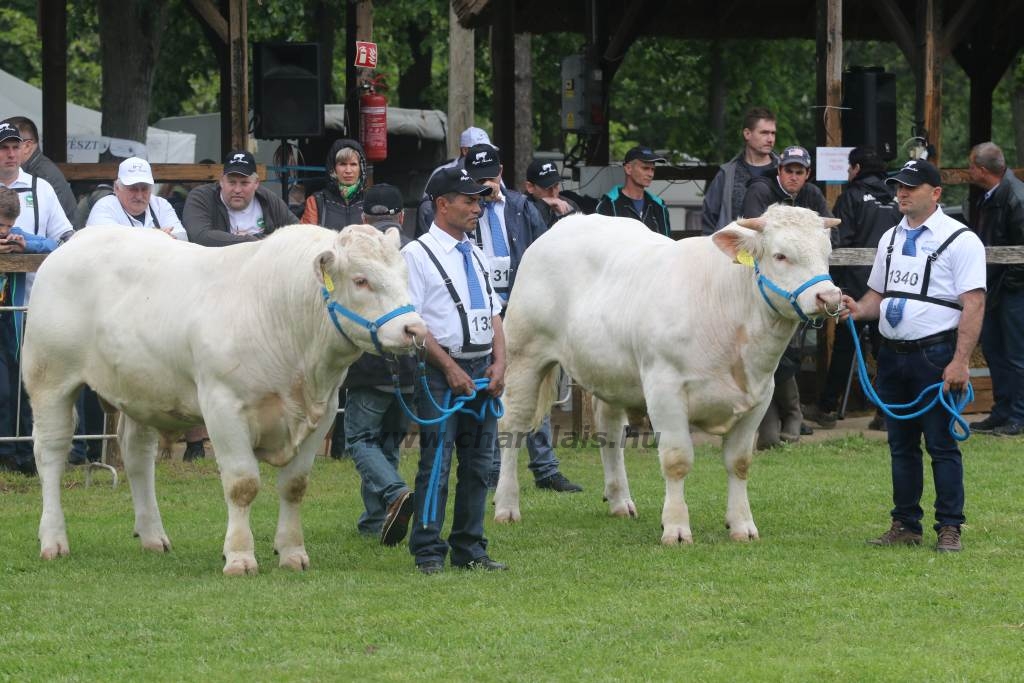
[[297, 560], [54, 549], [743, 532], [675, 535], [240, 565], [158, 543], [506, 515], [625, 508]]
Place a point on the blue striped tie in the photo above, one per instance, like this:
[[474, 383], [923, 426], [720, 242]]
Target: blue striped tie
[[894, 310], [498, 245], [476, 295]]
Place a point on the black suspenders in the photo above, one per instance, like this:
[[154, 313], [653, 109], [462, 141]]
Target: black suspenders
[[35, 202], [459, 306], [156, 222], [923, 296]]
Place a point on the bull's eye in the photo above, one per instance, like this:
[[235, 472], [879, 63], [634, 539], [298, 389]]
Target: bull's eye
[[779, 257], [360, 282]]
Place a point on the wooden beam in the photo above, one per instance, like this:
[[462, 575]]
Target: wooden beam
[[829, 57], [902, 32], [523, 106], [503, 78], [161, 172], [959, 24], [930, 13], [54, 37], [238, 56], [212, 17], [625, 35], [461, 70]]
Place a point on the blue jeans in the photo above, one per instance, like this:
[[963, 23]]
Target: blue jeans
[[20, 452], [543, 461], [374, 430], [1002, 341], [473, 443], [901, 377]]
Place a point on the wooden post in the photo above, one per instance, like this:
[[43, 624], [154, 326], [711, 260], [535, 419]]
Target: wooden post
[[238, 58], [54, 34], [504, 66], [461, 68], [930, 23], [523, 109]]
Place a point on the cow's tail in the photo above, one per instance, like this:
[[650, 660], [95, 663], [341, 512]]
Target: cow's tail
[[547, 394]]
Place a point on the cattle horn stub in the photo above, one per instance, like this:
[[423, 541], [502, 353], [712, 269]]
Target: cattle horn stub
[[320, 265], [757, 224]]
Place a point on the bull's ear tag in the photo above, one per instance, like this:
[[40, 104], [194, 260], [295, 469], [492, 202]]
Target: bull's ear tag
[[744, 257], [328, 282]]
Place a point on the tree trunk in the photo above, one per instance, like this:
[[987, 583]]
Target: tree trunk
[[412, 82], [130, 33]]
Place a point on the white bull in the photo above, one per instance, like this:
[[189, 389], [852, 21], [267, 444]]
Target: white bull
[[239, 338], [680, 328]]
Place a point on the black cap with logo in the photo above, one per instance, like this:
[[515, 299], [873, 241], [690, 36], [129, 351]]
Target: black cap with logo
[[917, 172], [449, 180], [240, 162]]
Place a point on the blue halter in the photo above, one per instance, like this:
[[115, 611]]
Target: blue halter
[[762, 281], [333, 308]]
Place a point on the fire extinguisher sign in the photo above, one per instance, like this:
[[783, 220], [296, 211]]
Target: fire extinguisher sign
[[366, 55]]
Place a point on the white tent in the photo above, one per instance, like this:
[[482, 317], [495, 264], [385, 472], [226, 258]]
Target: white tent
[[85, 142]]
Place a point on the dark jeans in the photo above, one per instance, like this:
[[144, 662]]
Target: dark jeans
[[14, 453], [839, 367], [901, 377], [376, 427], [1002, 341], [473, 443]]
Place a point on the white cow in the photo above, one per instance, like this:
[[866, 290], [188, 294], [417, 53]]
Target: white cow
[[680, 328], [239, 338]]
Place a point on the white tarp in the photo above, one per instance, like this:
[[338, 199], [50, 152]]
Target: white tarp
[[85, 142]]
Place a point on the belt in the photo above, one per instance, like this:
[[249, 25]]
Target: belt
[[467, 355], [911, 345]]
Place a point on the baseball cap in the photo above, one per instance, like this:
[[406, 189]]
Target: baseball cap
[[240, 162], [134, 170], [643, 154], [474, 136], [795, 155], [454, 180], [382, 200], [543, 174], [482, 161], [9, 132], [917, 172]]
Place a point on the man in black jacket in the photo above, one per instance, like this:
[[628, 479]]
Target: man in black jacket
[[999, 222], [375, 424], [234, 209], [867, 208], [631, 199]]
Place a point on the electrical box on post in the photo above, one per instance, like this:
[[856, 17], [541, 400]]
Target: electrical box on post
[[582, 110]]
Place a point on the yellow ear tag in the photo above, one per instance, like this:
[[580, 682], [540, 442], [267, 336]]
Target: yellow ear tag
[[328, 282], [743, 256]]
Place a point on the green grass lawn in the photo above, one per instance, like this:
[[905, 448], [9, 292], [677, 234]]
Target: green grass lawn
[[588, 597]]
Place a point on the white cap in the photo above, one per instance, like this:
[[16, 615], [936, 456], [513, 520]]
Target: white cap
[[473, 136], [134, 170]]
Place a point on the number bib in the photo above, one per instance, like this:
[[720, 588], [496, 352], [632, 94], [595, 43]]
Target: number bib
[[905, 273], [501, 266]]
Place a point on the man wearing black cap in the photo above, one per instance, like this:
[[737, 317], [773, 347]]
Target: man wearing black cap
[[543, 184], [631, 199], [449, 287], [927, 288], [223, 213], [787, 184]]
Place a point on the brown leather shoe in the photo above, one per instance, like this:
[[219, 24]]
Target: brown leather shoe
[[949, 540], [396, 521], [897, 535]]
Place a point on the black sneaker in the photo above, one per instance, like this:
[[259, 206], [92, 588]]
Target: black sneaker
[[558, 482], [986, 426], [432, 567], [396, 522], [484, 563], [1009, 429]]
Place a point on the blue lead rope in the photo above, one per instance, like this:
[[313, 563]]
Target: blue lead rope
[[953, 402], [447, 408]]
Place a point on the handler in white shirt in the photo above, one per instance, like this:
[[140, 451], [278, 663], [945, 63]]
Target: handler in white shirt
[[133, 203]]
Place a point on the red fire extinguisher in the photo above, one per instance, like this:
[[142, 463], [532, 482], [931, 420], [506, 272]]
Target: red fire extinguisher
[[373, 122]]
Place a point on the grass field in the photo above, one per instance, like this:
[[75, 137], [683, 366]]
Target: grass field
[[588, 597]]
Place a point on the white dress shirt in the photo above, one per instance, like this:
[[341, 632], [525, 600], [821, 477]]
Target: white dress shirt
[[108, 211], [431, 298]]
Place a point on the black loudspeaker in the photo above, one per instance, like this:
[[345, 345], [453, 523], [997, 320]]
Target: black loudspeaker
[[288, 99], [869, 110]]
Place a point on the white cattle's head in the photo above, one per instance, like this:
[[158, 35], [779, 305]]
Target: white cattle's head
[[367, 282], [788, 248]]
